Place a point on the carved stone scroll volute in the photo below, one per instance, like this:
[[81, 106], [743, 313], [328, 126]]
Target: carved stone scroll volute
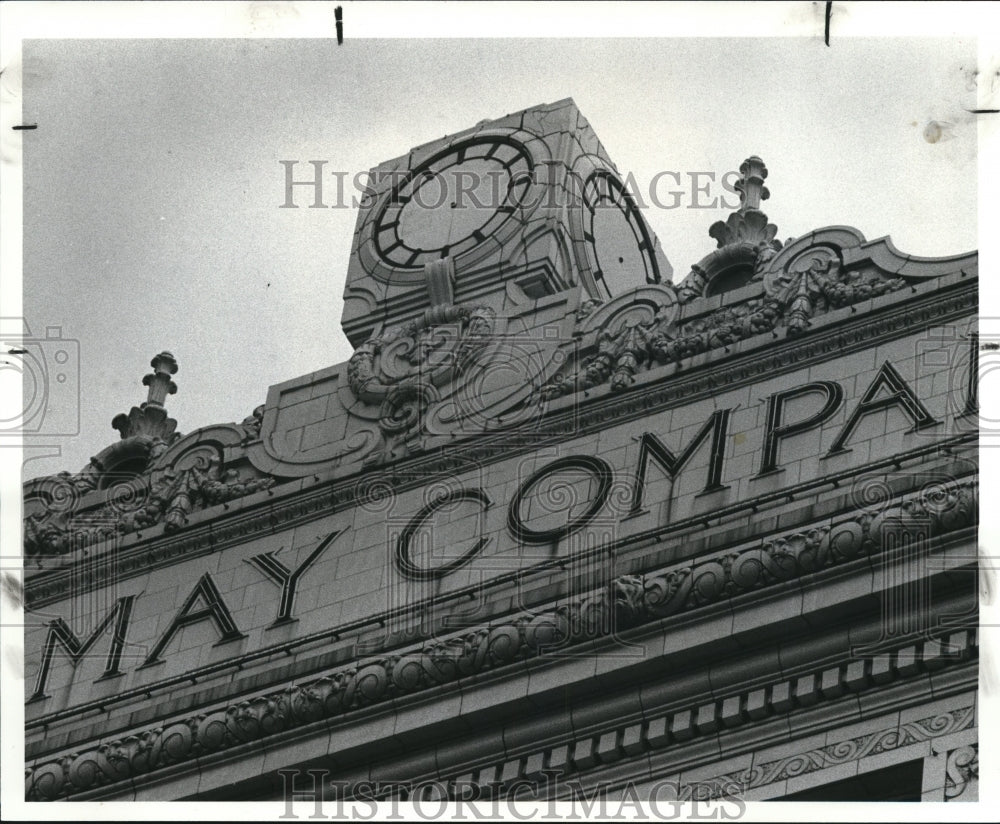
[[962, 774], [402, 369], [153, 476]]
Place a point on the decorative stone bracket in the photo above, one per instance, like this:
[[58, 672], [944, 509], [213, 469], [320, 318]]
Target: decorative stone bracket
[[962, 774], [951, 773]]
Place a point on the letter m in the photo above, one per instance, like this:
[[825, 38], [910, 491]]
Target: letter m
[[578, 796], [652, 447], [60, 635]]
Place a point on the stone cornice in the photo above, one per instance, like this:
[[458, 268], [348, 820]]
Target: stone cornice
[[663, 745], [813, 699], [206, 736], [628, 601], [671, 732], [661, 388]]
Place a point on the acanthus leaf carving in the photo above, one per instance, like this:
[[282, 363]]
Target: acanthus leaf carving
[[749, 227], [153, 475], [813, 283], [626, 332]]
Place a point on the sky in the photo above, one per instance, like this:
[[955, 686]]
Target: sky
[[154, 179]]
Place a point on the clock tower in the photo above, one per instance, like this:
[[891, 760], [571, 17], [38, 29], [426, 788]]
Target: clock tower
[[500, 215]]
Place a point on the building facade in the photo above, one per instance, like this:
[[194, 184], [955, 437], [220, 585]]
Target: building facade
[[560, 525]]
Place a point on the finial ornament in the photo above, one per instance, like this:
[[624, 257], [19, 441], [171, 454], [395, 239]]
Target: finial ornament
[[751, 186], [748, 224], [746, 241], [159, 382], [150, 417]]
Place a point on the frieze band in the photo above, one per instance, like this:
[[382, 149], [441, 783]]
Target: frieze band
[[851, 749], [936, 510], [629, 600]]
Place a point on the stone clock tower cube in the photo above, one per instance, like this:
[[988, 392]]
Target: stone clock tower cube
[[504, 213]]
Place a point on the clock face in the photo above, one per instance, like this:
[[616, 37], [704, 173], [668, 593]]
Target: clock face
[[452, 202], [617, 233]]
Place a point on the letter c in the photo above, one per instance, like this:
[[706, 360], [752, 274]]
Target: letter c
[[406, 565]]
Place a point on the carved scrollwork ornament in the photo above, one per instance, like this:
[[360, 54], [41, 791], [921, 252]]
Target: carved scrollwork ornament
[[402, 369], [625, 332], [812, 283], [169, 496], [151, 476], [962, 774]]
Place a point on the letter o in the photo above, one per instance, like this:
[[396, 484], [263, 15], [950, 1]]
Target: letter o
[[595, 466]]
